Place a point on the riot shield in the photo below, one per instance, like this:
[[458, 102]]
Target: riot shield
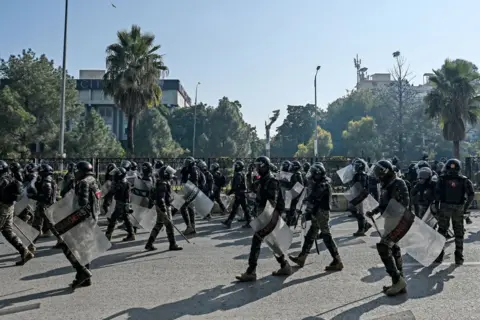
[[24, 200], [397, 224], [357, 195], [270, 226], [227, 201], [140, 200], [24, 231], [131, 176], [106, 187], [76, 227], [292, 194], [430, 220], [346, 174], [192, 196]]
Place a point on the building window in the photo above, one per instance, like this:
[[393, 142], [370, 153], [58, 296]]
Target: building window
[[84, 95], [97, 95]]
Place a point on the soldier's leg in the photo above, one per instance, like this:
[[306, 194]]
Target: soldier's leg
[[310, 238], [112, 222], [83, 275], [170, 232], [218, 199], [250, 274], [233, 213], [107, 202], [323, 221], [363, 225], [156, 230], [13, 239], [384, 248], [191, 214], [128, 226], [38, 218], [397, 256], [248, 217], [459, 233], [443, 217], [186, 217], [291, 213]]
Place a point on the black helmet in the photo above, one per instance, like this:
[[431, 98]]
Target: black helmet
[[166, 173], [134, 166], [360, 165], [111, 167], [306, 166], [127, 165], [45, 170], [159, 164], [238, 166], [263, 165], [120, 174], [82, 169], [453, 166], [422, 164], [383, 170], [317, 172], [424, 175], [189, 161], [70, 167], [394, 161], [286, 165], [30, 167], [15, 167], [147, 168], [202, 165], [295, 166], [3, 167], [214, 166]]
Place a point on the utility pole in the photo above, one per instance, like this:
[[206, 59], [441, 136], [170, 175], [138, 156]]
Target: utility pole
[[195, 120], [315, 147], [64, 85]]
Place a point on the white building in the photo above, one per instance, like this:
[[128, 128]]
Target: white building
[[379, 80]]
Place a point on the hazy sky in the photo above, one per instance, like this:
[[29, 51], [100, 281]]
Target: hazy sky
[[263, 52]]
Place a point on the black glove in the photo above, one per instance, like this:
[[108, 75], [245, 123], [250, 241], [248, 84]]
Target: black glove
[[370, 214]]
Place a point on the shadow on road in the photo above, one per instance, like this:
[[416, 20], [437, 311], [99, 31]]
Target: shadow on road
[[219, 298], [35, 296]]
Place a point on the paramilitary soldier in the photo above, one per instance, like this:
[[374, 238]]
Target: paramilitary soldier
[[239, 189], [44, 192], [360, 177], [68, 180], [451, 190], [108, 198], [121, 193], [219, 181], [161, 195], [295, 169], [318, 199], [10, 191], [190, 173], [392, 188], [28, 179], [423, 192], [207, 188], [268, 190]]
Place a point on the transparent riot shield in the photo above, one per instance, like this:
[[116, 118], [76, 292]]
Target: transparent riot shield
[[192, 196], [140, 201], [292, 194], [106, 187], [24, 200], [131, 176], [346, 174], [227, 201], [357, 195], [270, 226], [430, 220], [397, 224], [76, 227], [24, 231]]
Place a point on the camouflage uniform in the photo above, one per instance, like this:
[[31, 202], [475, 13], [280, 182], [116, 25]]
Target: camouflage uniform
[[121, 192], [45, 196]]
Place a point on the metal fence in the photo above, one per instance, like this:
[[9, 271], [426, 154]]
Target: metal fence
[[331, 164]]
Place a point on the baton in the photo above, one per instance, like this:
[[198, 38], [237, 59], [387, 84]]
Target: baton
[[376, 227]]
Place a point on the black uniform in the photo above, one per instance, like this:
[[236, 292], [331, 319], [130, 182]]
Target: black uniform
[[423, 193], [68, 181], [296, 178], [453, 195], [10, 191], [317, 201], [28, 181], [108, 198], [190, 173], [161, 196], [268, 190], [121, 193], [219, 181], [361, 178], [239, 189]]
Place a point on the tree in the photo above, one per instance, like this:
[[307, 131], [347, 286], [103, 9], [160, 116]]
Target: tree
[[153, 136], [361, 138], [324, 145], [92, 138], [35, 83], [133, 70], [454, 99]]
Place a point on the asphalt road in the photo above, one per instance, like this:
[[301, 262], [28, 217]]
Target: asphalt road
[[198, 282]]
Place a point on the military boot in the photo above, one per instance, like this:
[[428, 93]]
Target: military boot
[[227, 223], [299, 260], [361, 229], [208, 217], [335, 265], [174, 247], [149, 246], [130, 237], [247, 277], [398, 287], [285, 270], [458, 258], [246, 225], [189, 230], [26, 256], [82, 278]]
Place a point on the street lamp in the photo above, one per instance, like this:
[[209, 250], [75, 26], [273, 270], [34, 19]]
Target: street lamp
[[64, 85], [195, 120], [315, 147]]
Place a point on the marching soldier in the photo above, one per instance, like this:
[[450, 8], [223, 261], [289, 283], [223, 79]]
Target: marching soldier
[[68, 180], [239, 189], [219, 181], [190, 173], [423, 193], [295, 168]]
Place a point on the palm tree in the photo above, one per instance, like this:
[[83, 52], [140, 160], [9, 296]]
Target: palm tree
[[134, 69], [454, 99]]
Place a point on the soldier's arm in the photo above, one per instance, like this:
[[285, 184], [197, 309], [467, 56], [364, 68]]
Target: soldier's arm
[[82, 193], [438, 190], [403, 196], [234, 184], [126, 192], [193, 177], [162, 193], [273, 192], [470, 193]]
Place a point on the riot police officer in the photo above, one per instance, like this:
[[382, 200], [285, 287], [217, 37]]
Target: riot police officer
[[44, 192], [219, 181], [10, 191], [268, 190], [297, 177], [68, 180], [306, 168], [423, 193], [451, 190], [108, 197], [158, 164], [239, 189], [318, 199], [373, 185], [16, 171], [207, 187], [393, 188], [147, 173], [360, 177], [121, 193], [161, 195], [28, 181], [190, 173]]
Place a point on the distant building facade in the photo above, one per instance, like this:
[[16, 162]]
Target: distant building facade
[[90, 92], [379, 80]]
